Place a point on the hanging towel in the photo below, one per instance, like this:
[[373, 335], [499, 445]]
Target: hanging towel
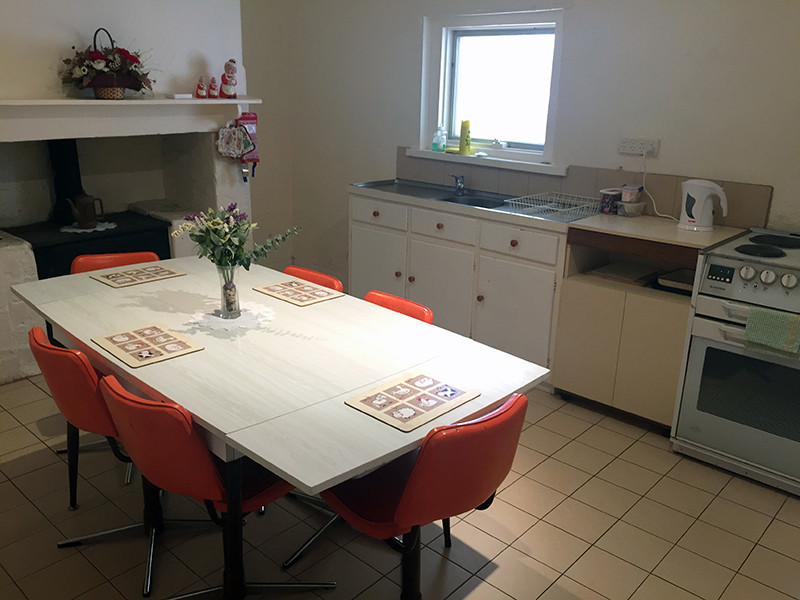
[[773, 332]]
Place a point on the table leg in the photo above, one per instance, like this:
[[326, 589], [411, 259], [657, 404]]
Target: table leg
[[233, 577]]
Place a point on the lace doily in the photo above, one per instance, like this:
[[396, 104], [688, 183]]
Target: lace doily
[[75, 229], [253, 316]]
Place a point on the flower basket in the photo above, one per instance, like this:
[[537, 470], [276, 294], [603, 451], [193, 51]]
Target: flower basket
[[109, 70]]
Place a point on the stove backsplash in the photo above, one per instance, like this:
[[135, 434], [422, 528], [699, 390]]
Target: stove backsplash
[[119, 171]]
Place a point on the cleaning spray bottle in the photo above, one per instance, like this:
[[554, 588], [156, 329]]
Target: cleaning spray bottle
[[439, 140]]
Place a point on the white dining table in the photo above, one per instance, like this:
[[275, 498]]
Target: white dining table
[[274, 388]]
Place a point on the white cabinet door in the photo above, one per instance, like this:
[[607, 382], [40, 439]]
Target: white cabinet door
[[514, 307], [651, 354], [377, 260], [440, 277]]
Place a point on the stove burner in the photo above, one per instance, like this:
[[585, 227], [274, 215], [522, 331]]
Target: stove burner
[[781, 241], [761, 250]]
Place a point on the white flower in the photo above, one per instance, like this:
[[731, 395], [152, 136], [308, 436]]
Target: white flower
[[77, 72], [99, 64]]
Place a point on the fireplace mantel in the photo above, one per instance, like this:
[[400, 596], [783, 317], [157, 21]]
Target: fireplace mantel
[[61, 118]]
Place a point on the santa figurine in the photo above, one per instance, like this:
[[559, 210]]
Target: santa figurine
[[213, 90], [200, 91], [228, 87]]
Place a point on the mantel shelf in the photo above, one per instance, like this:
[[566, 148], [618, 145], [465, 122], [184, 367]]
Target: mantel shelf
[[60, 118], [142, 100]]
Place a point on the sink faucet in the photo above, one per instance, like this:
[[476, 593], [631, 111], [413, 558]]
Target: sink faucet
[[459, 184]]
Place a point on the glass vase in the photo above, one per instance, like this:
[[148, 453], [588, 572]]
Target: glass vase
[[229, 294]]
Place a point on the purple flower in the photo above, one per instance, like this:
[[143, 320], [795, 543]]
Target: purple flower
[[241, 217], [231, 207], [190, 217]]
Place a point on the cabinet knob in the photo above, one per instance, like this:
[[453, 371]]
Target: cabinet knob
[[376, 213], [398, 274], [480, 298], [411, 279], [440, 226], [514, 243]]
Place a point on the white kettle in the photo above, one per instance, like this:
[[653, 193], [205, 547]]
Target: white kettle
[[697, 206]]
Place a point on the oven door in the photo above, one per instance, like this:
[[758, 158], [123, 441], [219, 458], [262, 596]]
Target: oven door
[[740, 407]]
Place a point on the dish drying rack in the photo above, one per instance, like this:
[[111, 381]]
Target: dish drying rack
[[555, 206]]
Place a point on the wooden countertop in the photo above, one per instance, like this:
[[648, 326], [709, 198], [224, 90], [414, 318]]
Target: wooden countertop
[[655, 229]]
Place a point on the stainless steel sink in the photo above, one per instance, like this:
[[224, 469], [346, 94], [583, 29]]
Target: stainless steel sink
[[477, 200]]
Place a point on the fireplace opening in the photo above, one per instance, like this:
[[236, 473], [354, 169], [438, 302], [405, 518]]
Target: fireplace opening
[[56, 243]]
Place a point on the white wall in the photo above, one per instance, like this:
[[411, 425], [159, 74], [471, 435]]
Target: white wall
[[179, 40], [715, 80]]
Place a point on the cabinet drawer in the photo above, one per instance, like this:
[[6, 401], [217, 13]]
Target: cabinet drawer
[[444, 226], [523, 243], [378, 212]]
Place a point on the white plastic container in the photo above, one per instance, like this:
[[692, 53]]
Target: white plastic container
[[630, 209], [630, 193]]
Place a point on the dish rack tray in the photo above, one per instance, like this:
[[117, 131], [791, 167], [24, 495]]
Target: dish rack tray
[[555, 206]]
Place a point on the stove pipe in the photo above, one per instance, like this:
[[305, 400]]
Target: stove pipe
[[66, 178]]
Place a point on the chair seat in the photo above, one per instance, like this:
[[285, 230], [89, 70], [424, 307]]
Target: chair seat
[[369, 503]]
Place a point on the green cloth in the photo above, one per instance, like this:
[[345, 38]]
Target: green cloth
[[773, 332]]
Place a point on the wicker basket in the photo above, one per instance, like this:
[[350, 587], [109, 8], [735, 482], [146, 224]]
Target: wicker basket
[[109, 93]]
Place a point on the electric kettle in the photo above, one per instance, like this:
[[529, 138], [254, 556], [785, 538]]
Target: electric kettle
[[697, 205]]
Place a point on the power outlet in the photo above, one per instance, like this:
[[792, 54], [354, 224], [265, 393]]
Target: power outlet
[[639, 146]]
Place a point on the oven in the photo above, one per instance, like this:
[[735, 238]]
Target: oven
[[739, 405]]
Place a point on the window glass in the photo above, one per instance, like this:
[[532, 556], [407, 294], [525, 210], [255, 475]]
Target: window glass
[[501, 84], [500, 72]]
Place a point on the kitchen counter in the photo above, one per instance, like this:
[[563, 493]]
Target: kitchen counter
[[655, 229]]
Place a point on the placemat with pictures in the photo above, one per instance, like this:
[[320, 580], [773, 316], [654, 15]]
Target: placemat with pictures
[[409, 402], [147, 345], [300, 293], [137, 275]]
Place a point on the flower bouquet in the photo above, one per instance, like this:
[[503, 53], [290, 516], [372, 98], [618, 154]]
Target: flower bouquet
[[222, 237], [108, 70]]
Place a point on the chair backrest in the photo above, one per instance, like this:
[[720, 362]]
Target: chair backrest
[[93, 262], [73, 383], [401, 305], [161, 439], [328, 281], [460, 466]]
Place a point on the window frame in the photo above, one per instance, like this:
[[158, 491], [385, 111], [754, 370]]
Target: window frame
[[437, 76]]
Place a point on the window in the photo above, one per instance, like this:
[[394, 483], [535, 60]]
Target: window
[[500, 72]]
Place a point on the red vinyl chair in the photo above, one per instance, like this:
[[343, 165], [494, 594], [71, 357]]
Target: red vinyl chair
[[173, 456], [93, 262], [458, 468], [328, 281], [74, 385], [401, 305], [406, 307]]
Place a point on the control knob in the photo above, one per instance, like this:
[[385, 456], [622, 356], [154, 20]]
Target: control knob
[[789, 281], [768, 277], [747, 273]]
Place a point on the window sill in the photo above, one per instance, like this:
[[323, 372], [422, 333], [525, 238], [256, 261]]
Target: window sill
[[488, 161]]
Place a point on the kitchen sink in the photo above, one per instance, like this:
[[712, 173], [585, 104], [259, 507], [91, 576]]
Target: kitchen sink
[[474, 200], [548, 206]]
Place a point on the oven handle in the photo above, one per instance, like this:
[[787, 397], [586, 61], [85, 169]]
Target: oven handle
[[719, 332], [734, 310], [733, 335]]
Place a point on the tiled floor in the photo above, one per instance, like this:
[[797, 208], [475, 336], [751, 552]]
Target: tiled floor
[[595, 507]]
